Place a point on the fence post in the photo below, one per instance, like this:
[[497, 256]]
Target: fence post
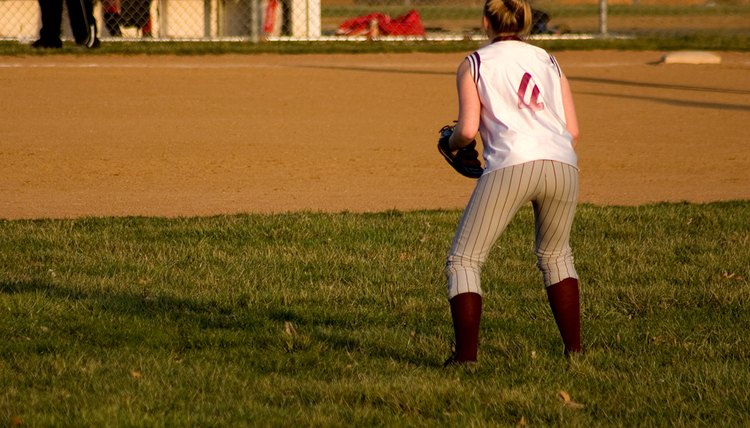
[[305, 18], [603, 17], [255, 17], [207, 19], [163, 20]]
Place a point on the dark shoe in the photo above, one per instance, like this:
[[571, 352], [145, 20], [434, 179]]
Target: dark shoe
[[47, 44], [453, 361], [90, 44]]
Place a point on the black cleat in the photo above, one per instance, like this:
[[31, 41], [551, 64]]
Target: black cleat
[[95, 44], [90, 44], [47, 44], [452, 361]]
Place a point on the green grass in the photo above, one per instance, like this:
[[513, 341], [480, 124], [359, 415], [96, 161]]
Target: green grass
[[317, 319]]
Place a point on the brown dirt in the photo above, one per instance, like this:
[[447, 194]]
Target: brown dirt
[[187, 136]]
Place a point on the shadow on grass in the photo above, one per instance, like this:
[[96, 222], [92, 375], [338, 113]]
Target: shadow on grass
[[189, 324]]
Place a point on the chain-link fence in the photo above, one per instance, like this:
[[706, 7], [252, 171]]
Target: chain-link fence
[[257, 20]]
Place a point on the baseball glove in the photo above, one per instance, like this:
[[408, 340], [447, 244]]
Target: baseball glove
[[466, 160]]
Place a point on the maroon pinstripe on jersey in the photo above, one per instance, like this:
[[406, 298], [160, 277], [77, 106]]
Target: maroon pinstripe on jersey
[[557, 66], [475, 61]]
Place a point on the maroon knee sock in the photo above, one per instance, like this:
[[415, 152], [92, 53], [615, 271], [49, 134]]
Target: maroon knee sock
[[466, 311], [565, 303]]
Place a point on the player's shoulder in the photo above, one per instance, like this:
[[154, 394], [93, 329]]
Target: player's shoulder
[[511, 48]]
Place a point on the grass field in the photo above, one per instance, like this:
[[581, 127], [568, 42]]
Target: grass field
[[314, 319]]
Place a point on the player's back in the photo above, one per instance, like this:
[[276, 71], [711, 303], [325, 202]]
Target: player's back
[[522, 117]]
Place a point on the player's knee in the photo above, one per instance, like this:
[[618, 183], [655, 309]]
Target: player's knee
[[463, 281], [556, 267], [460, 262], [463, 275]]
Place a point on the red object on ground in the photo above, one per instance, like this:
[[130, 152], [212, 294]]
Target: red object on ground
[[375, 24]]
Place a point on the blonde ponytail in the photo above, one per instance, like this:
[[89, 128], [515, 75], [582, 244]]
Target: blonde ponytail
[[508, 17]]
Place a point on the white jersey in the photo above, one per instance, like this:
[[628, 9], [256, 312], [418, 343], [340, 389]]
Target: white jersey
[[522, 115]]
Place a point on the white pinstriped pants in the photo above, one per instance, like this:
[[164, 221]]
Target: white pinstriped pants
[[551, 187]]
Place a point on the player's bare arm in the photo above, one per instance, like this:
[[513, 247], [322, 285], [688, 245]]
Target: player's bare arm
[[571, 120], [468, 108]]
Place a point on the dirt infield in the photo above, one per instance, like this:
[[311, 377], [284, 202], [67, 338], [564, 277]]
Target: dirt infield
[[186, 136]]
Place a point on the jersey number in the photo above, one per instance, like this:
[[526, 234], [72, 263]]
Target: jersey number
[[533, 104]]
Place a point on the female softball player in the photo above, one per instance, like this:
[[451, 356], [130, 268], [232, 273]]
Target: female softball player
[[516, 97]]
